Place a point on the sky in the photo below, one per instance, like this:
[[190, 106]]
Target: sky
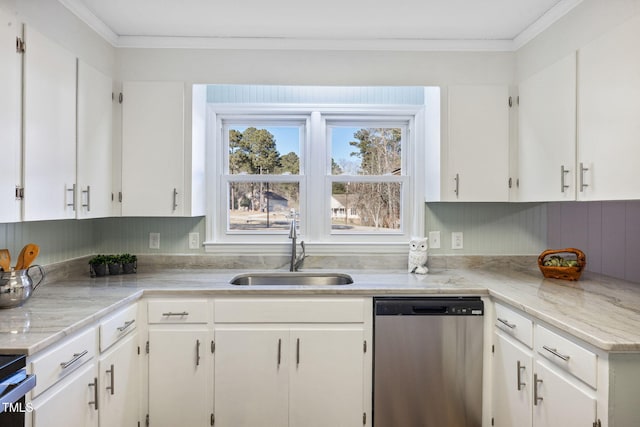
[[287, 140]]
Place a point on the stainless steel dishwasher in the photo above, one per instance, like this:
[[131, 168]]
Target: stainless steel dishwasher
[[427, 362]]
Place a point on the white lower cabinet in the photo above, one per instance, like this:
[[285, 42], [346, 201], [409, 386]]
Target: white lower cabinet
[[292, 362], [512, 383], [559, 401], [289, 375], [71, 402], [119, 386], [547, 378], [179, 363]]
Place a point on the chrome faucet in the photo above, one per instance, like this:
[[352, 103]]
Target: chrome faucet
[[293, 235]]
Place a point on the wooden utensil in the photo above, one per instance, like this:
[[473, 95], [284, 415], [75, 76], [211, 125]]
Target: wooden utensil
[[5, 259], [27, 255]]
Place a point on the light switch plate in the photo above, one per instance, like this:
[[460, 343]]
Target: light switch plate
[[456, 240], [434, 240], [194, 240], [154, 240]]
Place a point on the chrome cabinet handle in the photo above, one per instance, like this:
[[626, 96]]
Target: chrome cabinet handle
[[72, 205], [554, 351], [563, 173], [506, 323], [298, 351], [520, 367], [94, 384], [457, 189], [88, 193], [111, 373], [175, 199], [197, 352], [76, 357], [171, 313], [582, 171], [536, 398], [126, 325], [279, 351]]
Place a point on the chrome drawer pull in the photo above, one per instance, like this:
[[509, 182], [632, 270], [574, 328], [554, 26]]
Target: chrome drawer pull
[[506, 323], [197, 352], [171, 313], [76, 357], [520, 367], [94, 384], [536, 398], [111, 373], [126, 325], [555, 353], [279, 351]]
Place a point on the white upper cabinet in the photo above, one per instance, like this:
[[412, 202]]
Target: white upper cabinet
[[95, 121], [153, 166], [547, 133], [49, 105], [10, 86], [477, 169], [609, 115]]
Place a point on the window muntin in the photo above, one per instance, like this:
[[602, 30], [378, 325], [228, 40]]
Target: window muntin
[[368, 177], [263, 171]]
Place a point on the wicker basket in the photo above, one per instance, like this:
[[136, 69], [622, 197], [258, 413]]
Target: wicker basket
[[564, 273]]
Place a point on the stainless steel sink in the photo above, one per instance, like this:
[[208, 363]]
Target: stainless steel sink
[[292, 278]]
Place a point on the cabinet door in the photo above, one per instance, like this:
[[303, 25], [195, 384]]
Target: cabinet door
[[327, 377], [179, 371], [94, 143], [512, 384], [119, 385], [10, 85], [153, 149], [251, 376], [561, 402], [547, 128], [70, 403], [609, 115], [49, 103], [478, 147]]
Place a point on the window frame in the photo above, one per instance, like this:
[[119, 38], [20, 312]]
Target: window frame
[[315, 177]]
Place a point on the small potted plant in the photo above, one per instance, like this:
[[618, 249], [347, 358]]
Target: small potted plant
[[98, 266], [113, 262], [129, 263]]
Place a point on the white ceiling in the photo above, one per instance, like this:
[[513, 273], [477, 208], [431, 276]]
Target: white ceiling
[[342, 24]]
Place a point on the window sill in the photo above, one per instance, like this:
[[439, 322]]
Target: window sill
[[318, 248]]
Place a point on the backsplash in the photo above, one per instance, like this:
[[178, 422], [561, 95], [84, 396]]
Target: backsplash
[[488, 228], [608, 233]]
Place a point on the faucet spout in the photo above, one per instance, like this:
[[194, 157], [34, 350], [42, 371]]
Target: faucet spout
[[293, 235]]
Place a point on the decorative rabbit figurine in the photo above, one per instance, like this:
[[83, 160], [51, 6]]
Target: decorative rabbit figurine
[[418, 256]]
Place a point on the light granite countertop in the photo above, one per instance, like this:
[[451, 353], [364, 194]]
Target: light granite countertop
[[599, 310]]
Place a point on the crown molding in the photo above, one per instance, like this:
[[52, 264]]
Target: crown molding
[[88, 17], [78, 8], [545, 21]]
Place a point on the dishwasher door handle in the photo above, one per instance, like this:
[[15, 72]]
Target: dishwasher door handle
[[429, 309]]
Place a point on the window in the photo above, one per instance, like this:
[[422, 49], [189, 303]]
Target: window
[[348, 175]]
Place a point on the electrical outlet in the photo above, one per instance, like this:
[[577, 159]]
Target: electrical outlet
[[434, 240], [456, 240], [194, 240], [154, 240]]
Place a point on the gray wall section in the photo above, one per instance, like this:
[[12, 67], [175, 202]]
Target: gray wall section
[[607, 232]]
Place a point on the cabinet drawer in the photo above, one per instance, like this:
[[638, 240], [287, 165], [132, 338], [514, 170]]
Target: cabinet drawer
[[568, 355], [514, 324], [263, 310], [58, 362], [117, 326], [176, 311]]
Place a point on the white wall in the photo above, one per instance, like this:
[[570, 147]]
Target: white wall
[[586, 22]]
